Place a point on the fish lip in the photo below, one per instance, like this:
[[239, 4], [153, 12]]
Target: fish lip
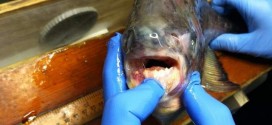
[[142, 63]]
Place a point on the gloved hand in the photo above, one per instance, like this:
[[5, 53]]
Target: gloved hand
[[122, 106], [257, 15], [202, 108]]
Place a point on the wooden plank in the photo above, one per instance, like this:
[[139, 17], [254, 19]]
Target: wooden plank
[[51, 80], [18, 4], [32, 86], [21, 28]]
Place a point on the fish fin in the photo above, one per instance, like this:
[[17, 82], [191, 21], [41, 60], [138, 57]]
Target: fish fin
[[213, 77]]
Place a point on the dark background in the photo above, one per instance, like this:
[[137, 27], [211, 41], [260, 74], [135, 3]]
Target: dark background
[[259, 108]]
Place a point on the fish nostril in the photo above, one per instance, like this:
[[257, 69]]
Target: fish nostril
[[174, 35]]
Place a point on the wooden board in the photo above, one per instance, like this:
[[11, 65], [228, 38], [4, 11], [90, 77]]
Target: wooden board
[[51, 80], [20, 85], [22, 22]]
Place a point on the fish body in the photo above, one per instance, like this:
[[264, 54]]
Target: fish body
[[167, 40]]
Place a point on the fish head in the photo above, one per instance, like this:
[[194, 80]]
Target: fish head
[[166, 40], [160, 50]]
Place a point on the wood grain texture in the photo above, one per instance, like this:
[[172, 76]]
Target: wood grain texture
[[51, 80], [10, 6], [45, 82]]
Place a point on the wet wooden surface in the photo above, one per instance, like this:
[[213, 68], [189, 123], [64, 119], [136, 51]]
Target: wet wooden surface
[[40, 84], [51, 80]]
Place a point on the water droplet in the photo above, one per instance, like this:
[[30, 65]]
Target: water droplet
[[44, 68], [30, 116], [41, 83]]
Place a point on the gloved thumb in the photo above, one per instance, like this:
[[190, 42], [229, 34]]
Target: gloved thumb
[[202, 108], [134, 105], [240, 43]]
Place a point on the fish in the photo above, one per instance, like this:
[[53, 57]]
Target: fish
[[167, 40]]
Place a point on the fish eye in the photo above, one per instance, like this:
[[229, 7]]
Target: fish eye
[[193, 40], [155, 39], [154, 35], [193, 43]]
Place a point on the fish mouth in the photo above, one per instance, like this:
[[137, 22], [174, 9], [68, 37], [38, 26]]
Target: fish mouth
[[164, 69]]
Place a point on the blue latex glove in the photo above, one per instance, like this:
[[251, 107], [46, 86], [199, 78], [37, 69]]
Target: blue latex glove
[[257, 15], [122, 106], [202, 108]]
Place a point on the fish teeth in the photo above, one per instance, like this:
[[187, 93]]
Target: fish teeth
[[168, 77]]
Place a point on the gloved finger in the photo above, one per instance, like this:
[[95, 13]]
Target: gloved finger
[[202, 108], [232, 42], [243, 43], [113, 75], [219, 9], [223, 10], [243, 6], [222, 3], [228, 5], [135, 105]]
